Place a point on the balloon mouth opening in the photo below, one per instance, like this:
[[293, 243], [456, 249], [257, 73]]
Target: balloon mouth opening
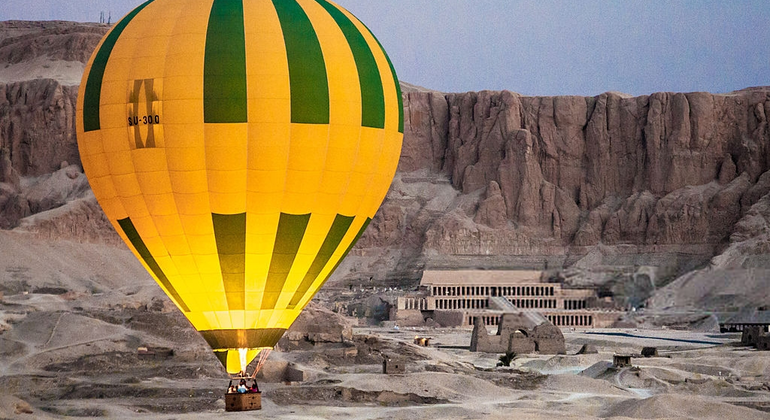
[[238, 360], [242, 353]]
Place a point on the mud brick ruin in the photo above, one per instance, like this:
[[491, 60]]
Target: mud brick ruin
[[519, 332], [756, 336], [393, 365]]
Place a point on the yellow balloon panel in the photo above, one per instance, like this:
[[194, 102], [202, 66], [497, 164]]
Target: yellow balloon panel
[[240, 148]]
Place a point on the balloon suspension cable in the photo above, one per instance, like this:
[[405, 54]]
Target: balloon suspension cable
[[262, 359]]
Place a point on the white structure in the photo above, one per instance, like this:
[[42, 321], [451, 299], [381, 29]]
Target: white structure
[[469, 291]]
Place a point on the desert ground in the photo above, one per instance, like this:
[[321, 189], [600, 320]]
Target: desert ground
[[72, 352]]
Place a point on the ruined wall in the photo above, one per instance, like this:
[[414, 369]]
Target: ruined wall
[[518, 335]]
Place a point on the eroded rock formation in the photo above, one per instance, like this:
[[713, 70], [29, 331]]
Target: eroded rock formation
[[561, 172], [661, 180], [37, 125], [557, 159]]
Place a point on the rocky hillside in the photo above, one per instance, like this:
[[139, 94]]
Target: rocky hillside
[[53, 49], [609, 188], [630, 193]]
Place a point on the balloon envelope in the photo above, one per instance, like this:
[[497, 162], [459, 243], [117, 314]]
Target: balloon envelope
[[240, 148]]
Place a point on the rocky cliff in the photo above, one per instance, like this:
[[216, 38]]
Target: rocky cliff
[[511, 181], [609, 190], [669, 168]]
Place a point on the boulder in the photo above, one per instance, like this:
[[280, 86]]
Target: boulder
[[587, 349], [317, 325]]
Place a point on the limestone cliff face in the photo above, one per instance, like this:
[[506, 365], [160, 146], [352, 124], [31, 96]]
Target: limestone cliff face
[[37, 139], [555, 158], [37, 125], [22, 41], [555, 176]]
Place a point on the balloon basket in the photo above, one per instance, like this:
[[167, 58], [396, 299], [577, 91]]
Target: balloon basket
[[243, 402]]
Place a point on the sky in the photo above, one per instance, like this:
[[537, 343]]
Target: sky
[[543, 47]]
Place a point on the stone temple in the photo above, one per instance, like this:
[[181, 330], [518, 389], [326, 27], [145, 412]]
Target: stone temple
[[456, 297]]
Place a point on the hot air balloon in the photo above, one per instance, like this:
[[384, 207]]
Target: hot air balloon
[[240, 148]]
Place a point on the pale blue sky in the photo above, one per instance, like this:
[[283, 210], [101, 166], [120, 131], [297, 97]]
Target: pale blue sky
[[540, 47]]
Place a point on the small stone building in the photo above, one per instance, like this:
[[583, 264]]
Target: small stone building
[[756, 336], [392, 365], [520, 333], [154, 352], [621, 360]]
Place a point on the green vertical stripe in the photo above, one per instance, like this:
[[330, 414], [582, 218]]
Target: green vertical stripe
[[224, 67], [372, 97], [222, 356], [291, 229], [93, 91], [307, 69], [347, 251], [230, 236], [395, 80], [398, 95], [352, 244], [133, 236], [338, 230]]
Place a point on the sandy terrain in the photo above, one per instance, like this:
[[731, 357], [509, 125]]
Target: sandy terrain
[[68, 349], [65, 72]]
